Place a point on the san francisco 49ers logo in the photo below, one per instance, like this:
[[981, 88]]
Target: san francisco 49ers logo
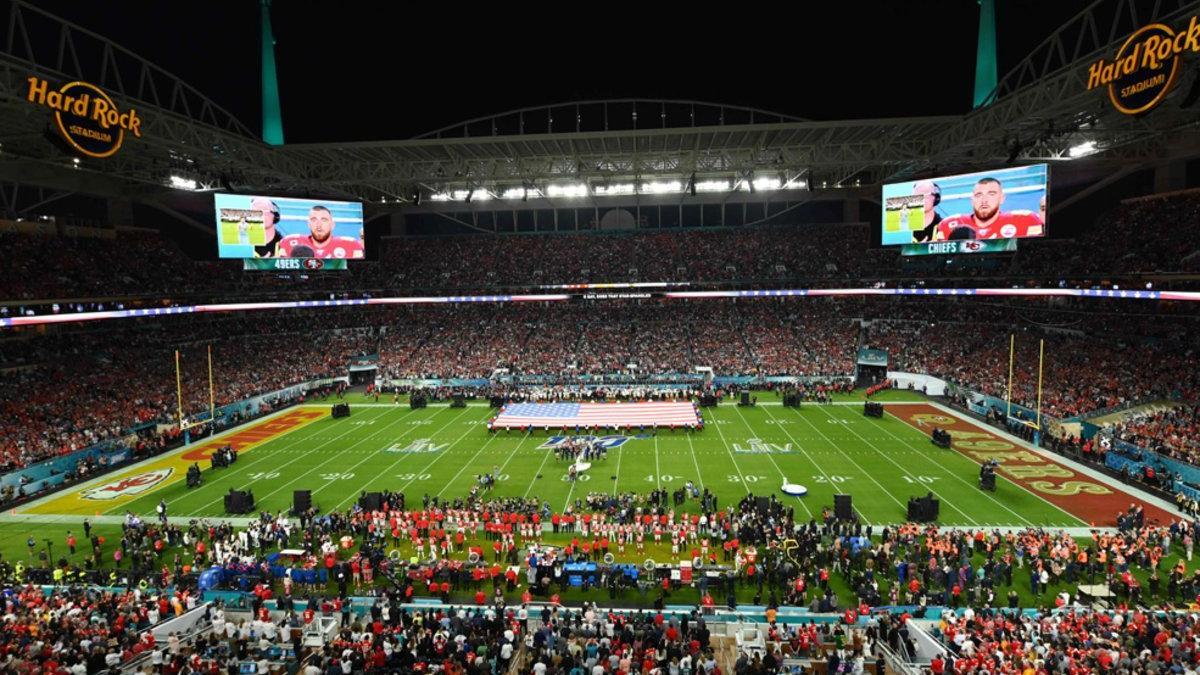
[[313, 263], [130, 485]]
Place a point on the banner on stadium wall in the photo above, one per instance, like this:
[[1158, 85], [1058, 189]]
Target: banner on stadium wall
[[1145, 67], [932, 386], [977, 408], [435, 383], [964, 247], [872, 357]]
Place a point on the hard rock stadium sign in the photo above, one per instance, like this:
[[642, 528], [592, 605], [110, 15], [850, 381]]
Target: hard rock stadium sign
[[1145, 67], [89, 121]]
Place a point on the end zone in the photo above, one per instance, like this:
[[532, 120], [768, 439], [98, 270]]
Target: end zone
[[113, 490], [1068, 487]]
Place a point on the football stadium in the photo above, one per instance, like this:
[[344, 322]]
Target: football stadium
[[640, 376]]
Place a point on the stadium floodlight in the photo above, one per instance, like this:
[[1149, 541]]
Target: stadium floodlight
[[570, 190], [181, 183], [441, 197], [766, 184], [616, 189], [795, 185], [712, 186], [1082, 150], [660, 187], [514, 193]]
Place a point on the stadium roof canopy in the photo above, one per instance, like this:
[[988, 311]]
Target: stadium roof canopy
[[1039, 111]]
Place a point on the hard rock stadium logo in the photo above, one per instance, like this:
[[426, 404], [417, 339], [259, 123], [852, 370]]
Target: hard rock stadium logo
[[1145, 67], [87, 118], [129, 485]]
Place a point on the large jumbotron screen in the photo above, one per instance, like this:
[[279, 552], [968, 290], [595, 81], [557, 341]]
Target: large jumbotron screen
[[259, 226], [1005, 203]]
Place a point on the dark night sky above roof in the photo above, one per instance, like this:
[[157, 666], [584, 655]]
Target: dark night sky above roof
[[365, 71]]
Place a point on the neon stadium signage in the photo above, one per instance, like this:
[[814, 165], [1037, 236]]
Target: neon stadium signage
[[88, 119], [1146, 67]]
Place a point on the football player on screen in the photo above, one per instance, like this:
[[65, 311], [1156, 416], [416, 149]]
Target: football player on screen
[[320, 242], [987, 221]]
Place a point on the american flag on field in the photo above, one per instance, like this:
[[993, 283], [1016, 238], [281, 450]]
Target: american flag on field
[[595, 415]]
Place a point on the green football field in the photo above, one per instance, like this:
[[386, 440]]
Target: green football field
[[440, 451]]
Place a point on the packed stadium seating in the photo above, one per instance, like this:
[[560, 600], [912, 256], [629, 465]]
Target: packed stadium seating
[[82, 631]]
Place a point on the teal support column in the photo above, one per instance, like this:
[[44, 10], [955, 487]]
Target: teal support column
[[272, 115], [985, 53]]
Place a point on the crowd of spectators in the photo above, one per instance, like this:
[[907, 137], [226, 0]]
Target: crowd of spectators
[[81, 630], [1073, 641], [1173, 431]]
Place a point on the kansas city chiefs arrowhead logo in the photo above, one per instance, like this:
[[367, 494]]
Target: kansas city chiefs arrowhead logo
[[971, 246], [130, 485]]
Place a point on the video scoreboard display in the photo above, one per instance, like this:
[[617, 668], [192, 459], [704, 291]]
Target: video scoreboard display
[[985, 206], [264, 227]]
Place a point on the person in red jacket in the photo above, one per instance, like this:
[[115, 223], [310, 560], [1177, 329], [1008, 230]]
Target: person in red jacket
[[987, 221]]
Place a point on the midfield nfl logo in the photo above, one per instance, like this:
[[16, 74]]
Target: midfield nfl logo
[[758, 447], [418, 446]]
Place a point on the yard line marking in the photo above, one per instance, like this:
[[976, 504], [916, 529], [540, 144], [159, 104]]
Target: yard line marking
[[305, 454], [514, 451], [241, 471], [692, 447], [393, 466], [372, 455], [443, 453], [465, 465], [617, 482], [367, 456], [881, 453], [952, 474], [535, 475], [848, 458], [731, 457], [657, 468], [810, 459]]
